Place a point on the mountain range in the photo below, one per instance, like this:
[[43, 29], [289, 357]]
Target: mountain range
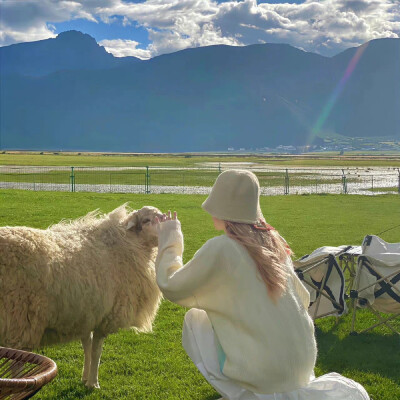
[[69, 93]]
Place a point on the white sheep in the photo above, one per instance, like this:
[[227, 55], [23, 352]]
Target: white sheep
[[82, 279]]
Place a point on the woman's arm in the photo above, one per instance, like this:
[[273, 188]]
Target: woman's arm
[[179, 282], [299, 287], [301, 291]]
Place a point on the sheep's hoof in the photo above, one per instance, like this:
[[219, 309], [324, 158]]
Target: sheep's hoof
[[94, 385]]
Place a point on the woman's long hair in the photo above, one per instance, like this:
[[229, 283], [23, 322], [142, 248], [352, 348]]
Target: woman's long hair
[[268, 250]]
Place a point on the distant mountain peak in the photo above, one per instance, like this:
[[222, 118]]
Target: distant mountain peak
[[70, 50], [73, 32], [74, 35]]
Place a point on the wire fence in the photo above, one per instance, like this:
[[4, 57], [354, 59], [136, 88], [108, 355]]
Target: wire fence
[[273, 181]]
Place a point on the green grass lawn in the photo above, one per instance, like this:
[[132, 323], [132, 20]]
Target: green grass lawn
[[155, 366], [121, 160]]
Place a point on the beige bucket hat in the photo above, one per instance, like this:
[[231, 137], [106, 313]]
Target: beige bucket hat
[[235, 197]]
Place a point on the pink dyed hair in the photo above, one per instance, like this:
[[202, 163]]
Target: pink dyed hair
[[268, 250]]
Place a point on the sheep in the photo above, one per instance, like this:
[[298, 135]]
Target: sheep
[[81, 279]]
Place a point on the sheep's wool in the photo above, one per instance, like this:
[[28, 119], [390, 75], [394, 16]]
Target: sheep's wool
[[61, 283]]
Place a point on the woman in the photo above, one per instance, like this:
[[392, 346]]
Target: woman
[[248, 332]]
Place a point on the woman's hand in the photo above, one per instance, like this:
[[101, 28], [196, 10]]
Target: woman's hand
[[165, 217]]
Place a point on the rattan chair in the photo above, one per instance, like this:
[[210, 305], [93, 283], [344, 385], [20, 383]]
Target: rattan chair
[[22, 374]]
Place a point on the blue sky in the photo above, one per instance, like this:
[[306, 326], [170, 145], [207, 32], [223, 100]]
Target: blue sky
[[149, 28], [101, 30]]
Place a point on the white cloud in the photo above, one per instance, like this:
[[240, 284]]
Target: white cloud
[[169, 41], [10, 36], [28, 20], [125, 21], [326, 27], [334, 25], [124, 48]]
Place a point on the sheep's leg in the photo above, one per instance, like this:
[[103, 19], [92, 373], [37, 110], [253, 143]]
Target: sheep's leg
[[87, 349], [97, 347]]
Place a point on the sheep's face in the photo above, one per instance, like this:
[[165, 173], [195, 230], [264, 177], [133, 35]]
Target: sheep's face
[[142, 221]]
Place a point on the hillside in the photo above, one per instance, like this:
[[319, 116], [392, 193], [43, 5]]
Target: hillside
[[201, 99]]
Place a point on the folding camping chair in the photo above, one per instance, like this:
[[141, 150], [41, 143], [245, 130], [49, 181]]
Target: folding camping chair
[[348, 264], [324, 279], [377, 282]]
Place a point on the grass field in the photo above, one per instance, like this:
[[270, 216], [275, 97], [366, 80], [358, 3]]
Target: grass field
[[154, 366], [187, 160]]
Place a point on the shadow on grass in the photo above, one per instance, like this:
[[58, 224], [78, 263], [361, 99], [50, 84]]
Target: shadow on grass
[[367, 352]]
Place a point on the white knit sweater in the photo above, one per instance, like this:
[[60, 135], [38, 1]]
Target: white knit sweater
[[269, 348]]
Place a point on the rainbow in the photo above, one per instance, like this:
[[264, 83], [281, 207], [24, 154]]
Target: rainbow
[[336, 93]]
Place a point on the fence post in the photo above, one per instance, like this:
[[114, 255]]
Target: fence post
[[72, 179], [372, 179], [344, 182], [147, 185], [219, 167], [287, 182], [398, 189]]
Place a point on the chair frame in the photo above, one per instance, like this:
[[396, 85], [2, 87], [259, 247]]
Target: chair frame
[[348, 262], [330, 259], [387, 285]]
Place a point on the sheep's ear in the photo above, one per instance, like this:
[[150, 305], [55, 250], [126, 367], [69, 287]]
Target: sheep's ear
[[132, 221]]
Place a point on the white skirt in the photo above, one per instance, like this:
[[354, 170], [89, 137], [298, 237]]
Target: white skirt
[[199, 342]]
